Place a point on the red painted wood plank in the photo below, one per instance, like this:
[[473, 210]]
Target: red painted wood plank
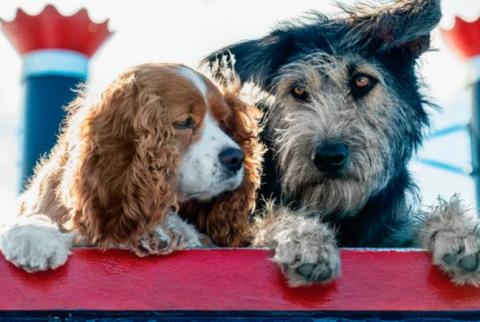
[[225, 279]]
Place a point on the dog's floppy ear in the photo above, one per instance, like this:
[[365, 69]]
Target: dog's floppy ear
[[255, 60], [122, 170], [226, 218], [400, 25]]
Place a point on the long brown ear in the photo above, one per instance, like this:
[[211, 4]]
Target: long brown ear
[[226, 218], [120, 178]]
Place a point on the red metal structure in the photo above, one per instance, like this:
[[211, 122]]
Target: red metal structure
[[52, 30], [464, 37], [55, 52]]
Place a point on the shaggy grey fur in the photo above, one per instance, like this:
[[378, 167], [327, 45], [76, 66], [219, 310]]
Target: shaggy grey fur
[[312, 70]]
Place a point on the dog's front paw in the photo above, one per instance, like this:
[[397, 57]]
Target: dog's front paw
[[458, 254], [36, 247], [451, 234], [186, 234], [174, 234], [309, 255], [160, 241]]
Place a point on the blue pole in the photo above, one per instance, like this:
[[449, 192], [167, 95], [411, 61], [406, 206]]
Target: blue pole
[[50, 79], [475, 139]]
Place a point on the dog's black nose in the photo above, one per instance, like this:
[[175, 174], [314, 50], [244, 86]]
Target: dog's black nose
[[330, 157], [232, 159]]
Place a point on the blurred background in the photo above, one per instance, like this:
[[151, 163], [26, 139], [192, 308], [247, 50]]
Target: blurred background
[[187, 30]]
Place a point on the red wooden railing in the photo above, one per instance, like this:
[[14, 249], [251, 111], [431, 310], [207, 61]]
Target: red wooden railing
[[231, 280]]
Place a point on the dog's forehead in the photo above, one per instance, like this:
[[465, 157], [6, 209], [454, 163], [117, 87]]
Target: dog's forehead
[[212, 96], [318, 66], [204, 86], [195, 79]]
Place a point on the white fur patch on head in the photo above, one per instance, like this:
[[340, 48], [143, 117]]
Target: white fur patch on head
[[194, 78], [202, 174]]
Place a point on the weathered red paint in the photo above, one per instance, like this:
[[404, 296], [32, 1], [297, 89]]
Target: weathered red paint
[[228, 279], [464, 37], [51, 30]]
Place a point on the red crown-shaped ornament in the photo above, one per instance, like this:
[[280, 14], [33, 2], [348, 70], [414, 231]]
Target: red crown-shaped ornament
[[464, 37], [51, 30]]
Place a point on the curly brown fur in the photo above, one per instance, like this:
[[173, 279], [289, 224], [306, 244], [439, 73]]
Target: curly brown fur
[[120, 178], [126, 163]]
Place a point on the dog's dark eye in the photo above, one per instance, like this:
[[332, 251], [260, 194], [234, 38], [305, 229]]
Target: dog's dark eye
[[361, 84], [299, 93], [186, 124]]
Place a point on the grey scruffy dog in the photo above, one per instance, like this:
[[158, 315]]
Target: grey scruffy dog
[[346, 116]]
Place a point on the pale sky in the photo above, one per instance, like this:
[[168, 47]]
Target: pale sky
[[187, 30]]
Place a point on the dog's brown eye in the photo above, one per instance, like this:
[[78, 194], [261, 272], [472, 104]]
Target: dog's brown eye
[[362, 81], [299, 93], [186, 124], [361, 84]]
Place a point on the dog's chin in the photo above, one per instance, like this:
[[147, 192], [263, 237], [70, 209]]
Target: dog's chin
[[215, 189], [333, 195]]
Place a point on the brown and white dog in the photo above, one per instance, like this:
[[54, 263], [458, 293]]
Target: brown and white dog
[[161, 137]]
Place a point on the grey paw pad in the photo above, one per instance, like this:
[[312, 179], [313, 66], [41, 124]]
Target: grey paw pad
[[305, 270], [314, 272], [469, 263], [449, 259]]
